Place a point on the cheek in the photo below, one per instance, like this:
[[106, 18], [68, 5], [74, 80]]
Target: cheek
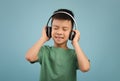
[[67, 34], [52, 33]]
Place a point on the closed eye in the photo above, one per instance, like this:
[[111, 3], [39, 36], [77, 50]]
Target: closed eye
[[55, 28], [65, 29]]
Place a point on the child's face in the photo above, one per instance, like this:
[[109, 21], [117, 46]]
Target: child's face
[[61, 30]]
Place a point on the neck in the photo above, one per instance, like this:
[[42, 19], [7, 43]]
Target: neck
[[61, 46]]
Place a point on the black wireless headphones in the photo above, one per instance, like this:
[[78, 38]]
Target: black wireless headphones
[[49, 28]]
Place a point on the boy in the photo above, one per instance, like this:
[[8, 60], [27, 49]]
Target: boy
[[59, 62]]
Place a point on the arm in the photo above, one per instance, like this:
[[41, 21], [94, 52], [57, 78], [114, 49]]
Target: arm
[[32, 53], [83, 62]]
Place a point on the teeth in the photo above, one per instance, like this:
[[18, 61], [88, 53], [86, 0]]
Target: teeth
[[59, 37]]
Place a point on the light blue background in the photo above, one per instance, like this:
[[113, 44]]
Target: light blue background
[[21, 22]]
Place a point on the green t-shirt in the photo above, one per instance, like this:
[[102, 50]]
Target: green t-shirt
[[57, 64]]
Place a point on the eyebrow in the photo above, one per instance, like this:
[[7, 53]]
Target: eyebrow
[[55, 26]]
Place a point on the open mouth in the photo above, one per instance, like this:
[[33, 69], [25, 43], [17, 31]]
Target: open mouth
[[59, 37]]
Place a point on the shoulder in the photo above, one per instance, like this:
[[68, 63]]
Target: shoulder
[[72, 51], [44, 50], [45, 47]]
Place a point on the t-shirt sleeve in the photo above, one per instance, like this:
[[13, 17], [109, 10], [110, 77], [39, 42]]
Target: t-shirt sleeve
[[76, 61], [77, 66], [44, 50], [40, 54]]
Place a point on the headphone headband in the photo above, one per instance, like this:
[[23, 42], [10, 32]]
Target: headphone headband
[[66, 14]]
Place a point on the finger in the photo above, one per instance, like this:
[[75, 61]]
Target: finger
[[77, 32]]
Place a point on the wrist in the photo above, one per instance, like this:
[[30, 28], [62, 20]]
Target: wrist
[[42, 40], [75, 44]]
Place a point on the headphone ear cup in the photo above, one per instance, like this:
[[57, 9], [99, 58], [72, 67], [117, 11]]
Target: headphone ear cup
[[48, 31], [72, 35]]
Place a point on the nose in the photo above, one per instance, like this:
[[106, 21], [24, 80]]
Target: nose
[[59, 32]]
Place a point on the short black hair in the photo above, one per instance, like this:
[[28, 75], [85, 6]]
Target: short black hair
[[63, 15]]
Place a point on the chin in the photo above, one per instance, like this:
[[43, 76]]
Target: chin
[[60, 42]]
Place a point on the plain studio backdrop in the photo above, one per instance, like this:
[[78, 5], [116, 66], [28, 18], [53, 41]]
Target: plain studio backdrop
[[21, 23]]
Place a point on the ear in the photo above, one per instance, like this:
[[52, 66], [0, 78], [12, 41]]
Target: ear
[[48, 31]]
